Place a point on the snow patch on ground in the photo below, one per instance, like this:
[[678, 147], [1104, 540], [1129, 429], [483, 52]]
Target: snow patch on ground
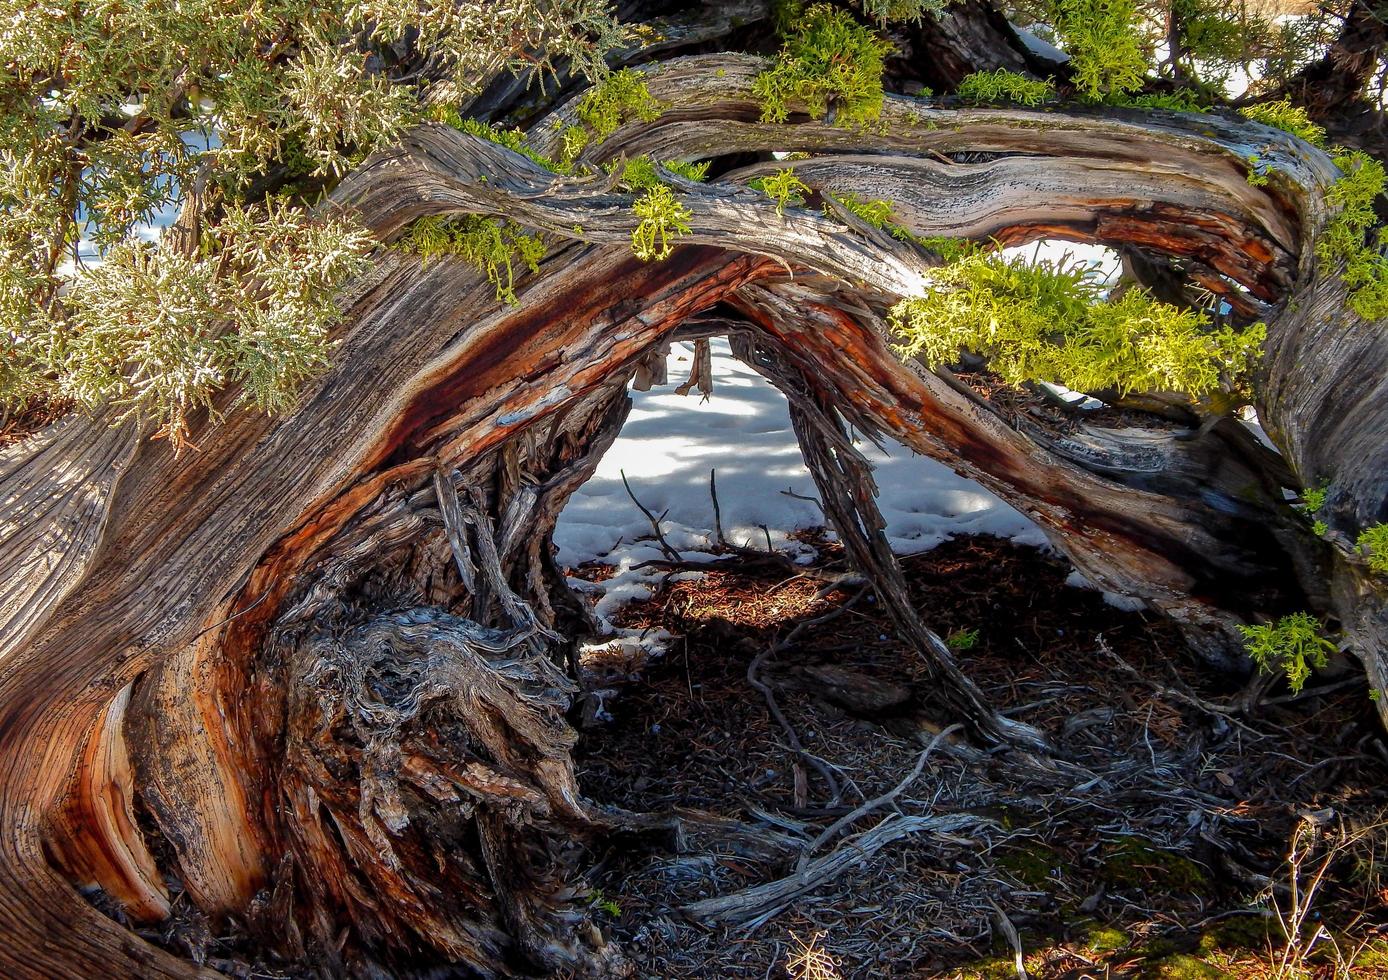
[[671, 442]]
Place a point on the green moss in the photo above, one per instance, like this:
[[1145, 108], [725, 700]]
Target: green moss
[[1373, 541], [1106, 939], [1373, 956], [1005, 86], [512, 139], [1292, 645], [1288, 118], [1133, 862], [620, 98], [1105, 47], [1182, 101], [831, 62], [1044, 322], [1182, 966], [1237, 932], [1343, 239], [663, 217], [993, 968], [492, 245], [783, 187], [1030, 862]]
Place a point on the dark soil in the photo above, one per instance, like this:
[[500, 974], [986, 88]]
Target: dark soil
[[1147, 849]]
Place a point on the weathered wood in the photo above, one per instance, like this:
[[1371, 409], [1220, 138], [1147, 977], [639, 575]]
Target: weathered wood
[[209, 574]]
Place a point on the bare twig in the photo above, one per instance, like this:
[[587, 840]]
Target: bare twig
[[835, 791], [848, 819], [717, 511], [759, 903], [664, 545], [1013, 939]]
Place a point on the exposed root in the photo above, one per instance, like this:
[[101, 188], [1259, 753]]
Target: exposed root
[[432, 798]]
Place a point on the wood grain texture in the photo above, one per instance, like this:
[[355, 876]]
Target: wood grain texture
[[126, 561]]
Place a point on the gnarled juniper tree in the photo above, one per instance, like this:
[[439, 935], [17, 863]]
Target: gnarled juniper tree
[[317, 633]]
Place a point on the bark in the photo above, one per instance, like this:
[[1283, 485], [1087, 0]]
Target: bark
[[344, 627]]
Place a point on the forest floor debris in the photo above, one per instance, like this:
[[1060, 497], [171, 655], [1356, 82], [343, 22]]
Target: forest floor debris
[[1155, 847]]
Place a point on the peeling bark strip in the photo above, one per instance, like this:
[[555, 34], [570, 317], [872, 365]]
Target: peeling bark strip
[[360, 752]]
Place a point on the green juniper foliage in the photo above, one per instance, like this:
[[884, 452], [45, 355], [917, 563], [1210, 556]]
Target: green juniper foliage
[[1005, 86], [104, 113], [1045, 322], [783, 187], [159, 332], [892, 11], [1292, 645], [831, 62], [493, 245]]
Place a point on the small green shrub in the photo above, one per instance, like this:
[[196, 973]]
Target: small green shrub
[[493, 245], [1043, 322], [962, 640], [663, 217], [1005, 86], [783, 187], [830, 62], [1288, 118], [1373, 541], [1293, 645], [1104, 42]]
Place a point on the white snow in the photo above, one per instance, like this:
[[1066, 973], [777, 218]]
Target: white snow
[[667, 448]]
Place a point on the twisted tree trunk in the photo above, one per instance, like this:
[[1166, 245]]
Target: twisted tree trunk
[[324, 652]]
